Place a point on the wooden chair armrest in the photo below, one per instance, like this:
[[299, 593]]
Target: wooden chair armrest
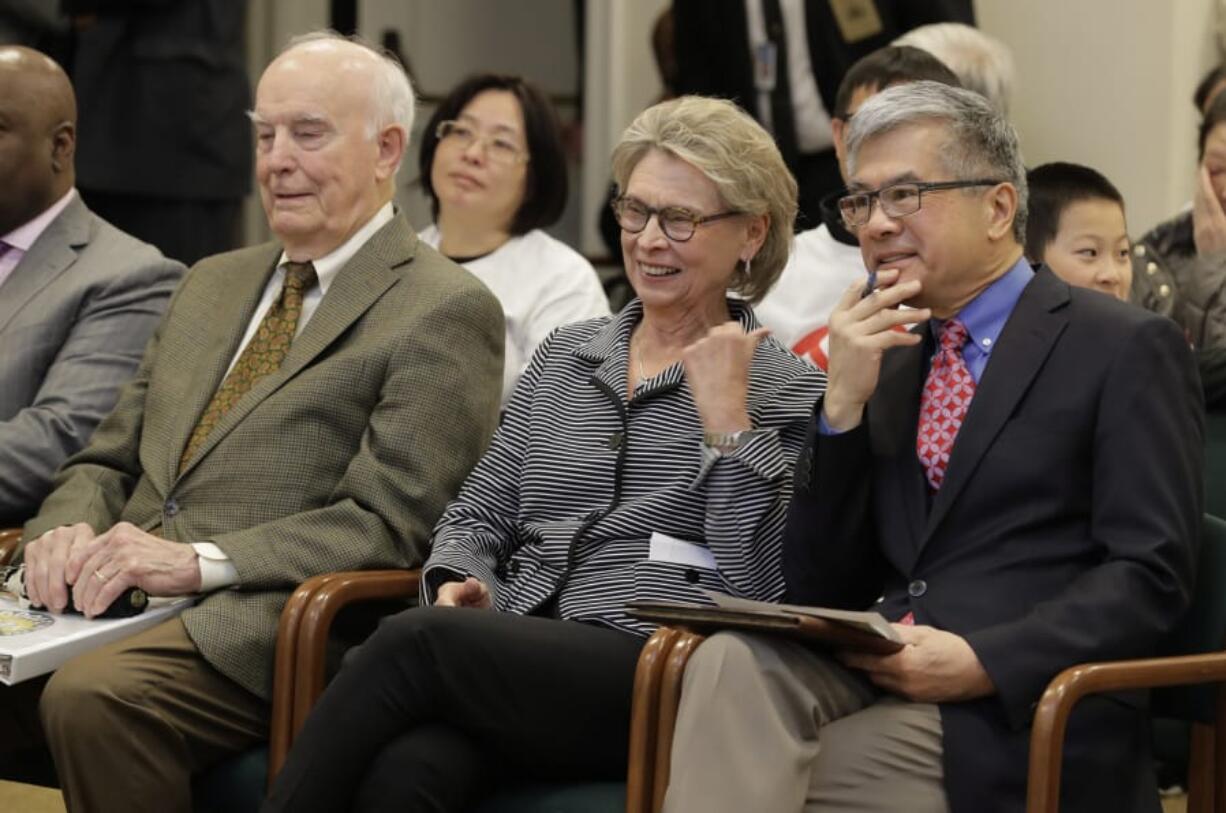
[[1071, 685], [643, 712], [9, 539], [335, 592], [281, 725], [670, 699]]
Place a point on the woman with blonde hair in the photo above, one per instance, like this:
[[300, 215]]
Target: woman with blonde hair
[[641, 457]]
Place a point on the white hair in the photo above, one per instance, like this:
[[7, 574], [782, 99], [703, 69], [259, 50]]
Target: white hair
[[982, 142], [391, 92], [983, 64]]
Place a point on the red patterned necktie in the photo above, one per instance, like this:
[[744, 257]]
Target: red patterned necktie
[[947, 396]]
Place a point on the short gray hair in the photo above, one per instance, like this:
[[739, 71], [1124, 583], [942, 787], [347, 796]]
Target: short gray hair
[[983, 64], [982, 142], [392, 96]]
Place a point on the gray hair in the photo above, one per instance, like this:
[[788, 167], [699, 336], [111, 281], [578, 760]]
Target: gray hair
[[983, 64], [981, 143], [391, 91]]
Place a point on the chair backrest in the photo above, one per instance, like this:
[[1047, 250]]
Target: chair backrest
[[1203, 628], [1215, 463]]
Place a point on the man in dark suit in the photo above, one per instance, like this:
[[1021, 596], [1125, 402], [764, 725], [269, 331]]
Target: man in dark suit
[[79, 299], [782, 60], [307, 405], [165, 150], [1017, 479]]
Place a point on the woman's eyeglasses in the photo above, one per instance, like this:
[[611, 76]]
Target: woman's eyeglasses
[[677, 223]]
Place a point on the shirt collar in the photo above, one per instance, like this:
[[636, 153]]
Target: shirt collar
[[329, 265], [985, 315], [23, 237]]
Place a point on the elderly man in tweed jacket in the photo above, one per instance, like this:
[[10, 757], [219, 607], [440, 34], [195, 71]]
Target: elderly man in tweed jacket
[[306, 406]]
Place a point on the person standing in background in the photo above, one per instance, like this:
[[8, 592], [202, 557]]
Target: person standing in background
[[165, 146], [782, 60]]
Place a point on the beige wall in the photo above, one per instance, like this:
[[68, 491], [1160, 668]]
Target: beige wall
[[1108, 83]]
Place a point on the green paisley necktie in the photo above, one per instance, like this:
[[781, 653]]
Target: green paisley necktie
[[262, 355]]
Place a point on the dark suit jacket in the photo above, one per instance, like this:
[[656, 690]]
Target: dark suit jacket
[[75, 316], [342, 459], [162, 95], [712, 43], [1065, 530]]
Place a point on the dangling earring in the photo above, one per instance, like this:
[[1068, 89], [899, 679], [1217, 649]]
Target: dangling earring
[[747, 262]]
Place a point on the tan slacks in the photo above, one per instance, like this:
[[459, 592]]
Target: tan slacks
[[129, 723], [769, 725]]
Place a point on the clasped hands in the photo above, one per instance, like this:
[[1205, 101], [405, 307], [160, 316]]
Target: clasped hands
[[97, 568]]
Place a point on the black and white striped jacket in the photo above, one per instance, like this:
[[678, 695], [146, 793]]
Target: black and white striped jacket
[[565, 500]]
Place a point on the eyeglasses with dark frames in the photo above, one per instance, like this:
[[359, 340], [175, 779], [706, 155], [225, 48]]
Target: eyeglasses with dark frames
[[677, 223], [898, 199]]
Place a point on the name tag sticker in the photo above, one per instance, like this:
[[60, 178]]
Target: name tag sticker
[[857, 19], [665, 548]]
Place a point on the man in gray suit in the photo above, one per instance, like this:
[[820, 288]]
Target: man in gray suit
[[78, 298], [306, 406]]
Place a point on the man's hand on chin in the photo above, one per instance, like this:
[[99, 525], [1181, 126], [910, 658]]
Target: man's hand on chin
[[123, 557], [933, 666]]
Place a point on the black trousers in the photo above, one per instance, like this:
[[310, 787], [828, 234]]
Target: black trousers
[[441, 706]]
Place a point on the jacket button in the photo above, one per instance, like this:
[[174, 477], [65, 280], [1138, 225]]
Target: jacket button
[[917, 588], [691, 575], [1139, 251], [171, 508], [1151, 268], [1164, 290]]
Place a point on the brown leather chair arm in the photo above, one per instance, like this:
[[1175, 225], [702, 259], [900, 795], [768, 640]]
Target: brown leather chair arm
[[1071, 685], [334, 592], [644, 711], [670, 699], [302, 636], [9, 539], [281, 725]]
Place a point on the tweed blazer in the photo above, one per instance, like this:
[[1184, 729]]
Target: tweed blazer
[[578, 479], [343, 459], [75, 316]]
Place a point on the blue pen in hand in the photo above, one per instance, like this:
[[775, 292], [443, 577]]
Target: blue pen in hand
[[870, 284]]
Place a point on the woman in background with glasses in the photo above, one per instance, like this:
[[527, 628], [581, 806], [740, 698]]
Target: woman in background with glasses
[[643, 456], [493, 166]]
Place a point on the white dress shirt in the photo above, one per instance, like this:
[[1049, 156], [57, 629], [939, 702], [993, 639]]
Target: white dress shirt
[[813, 130]]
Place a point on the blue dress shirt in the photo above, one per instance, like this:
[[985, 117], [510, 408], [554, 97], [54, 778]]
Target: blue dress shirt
[[984, 317]]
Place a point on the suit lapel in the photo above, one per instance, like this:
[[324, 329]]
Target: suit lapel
[[52, 253], [357, 286], [893, 415], [1031, 331], [218, 329]]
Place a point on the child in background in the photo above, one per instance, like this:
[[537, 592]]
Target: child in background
[[1076, 227]]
